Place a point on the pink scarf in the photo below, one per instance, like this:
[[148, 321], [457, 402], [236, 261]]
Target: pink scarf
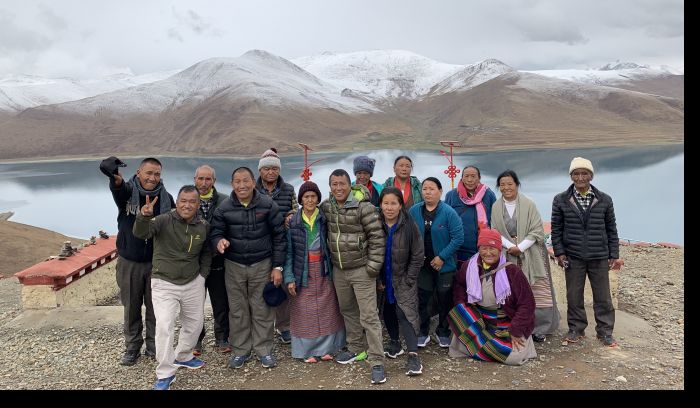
[[501, 285], [481, 189]]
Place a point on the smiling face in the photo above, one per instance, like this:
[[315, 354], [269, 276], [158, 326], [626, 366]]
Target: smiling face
[[489, 254], [243, 185], [187, 204], [391, 207], [148, 175], [362, 177], [340, 188], [508, 188], [470, 178]]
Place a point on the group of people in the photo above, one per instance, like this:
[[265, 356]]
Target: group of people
[[325, 273]]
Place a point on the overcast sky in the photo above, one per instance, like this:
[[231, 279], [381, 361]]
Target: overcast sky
[[89, 39]]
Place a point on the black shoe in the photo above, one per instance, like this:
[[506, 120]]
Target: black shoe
[[607, 340], [539, 338], [149, 353], [393, 349], [413, 365], [130, 358], [378, 376]]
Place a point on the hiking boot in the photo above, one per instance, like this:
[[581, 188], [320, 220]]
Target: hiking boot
[[572, 336], [197, 350], [224, 346], [130, 357], [238, 361], [413, 365], [423, 341], [378, 376], [268, 361], [393, 349], [192, 364], [285, 336], [607, 340], [539, 338], [163, 384], [347, 356]]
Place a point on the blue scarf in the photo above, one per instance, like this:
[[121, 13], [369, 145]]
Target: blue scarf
[[389, 288]]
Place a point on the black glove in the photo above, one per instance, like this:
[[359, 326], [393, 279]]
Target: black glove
[[110, 166]]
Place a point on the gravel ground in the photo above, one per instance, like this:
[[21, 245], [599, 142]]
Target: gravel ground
[[650, 354]]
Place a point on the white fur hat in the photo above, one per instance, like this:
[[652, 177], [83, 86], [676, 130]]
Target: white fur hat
[[580, 163]]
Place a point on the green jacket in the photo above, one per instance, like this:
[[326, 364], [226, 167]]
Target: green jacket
[[355, 234], [180, 248], [416, 189]]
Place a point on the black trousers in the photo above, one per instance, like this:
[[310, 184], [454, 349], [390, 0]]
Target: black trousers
[[134, 281], [603, 310], [219, 303], [432, 282], [394, 318]]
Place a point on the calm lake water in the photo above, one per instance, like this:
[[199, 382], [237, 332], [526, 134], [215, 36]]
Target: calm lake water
[[646, 184]]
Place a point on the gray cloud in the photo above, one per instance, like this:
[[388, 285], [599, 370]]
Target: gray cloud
[[14, 38], [567, 35], [51, 19], [194, 22]]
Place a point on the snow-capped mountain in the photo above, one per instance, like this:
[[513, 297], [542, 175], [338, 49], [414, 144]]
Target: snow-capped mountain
[[471, 76], [611, 74], [255, 76], [25, 91], [379, 74]]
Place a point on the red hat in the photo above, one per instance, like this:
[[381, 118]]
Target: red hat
[[490, 237]]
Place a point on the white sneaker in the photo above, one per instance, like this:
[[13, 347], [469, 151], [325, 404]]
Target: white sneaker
[[423, 341]]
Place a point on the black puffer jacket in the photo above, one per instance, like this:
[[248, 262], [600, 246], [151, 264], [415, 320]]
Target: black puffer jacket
[[217, 262], [128, 246], [283, 194], [585, 235], [256, 232]]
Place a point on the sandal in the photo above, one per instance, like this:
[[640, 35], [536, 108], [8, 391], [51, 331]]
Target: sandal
[[311, 359]]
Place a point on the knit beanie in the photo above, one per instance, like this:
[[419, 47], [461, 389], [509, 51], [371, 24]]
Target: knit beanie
[[270, 159], [363, 163], [489, 237], [580, 163], [308, 186]]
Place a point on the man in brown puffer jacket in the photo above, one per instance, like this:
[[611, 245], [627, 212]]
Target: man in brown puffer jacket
[[357, 243]]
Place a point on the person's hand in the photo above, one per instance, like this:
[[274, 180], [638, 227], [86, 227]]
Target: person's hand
[[222, 245], [515, 251], [287, 220], [380, 286], [276, 277], [518, 343], [147, 209], [563, 261], [292, 288], [118, 179], [437, 263], [615, 264]]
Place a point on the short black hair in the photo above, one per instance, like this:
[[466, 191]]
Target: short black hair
[[478, 172], [403, 157], [391, 190], [338, 173], [508, 173], [434, 180], [243, 168], [189, 188], [151, 160]]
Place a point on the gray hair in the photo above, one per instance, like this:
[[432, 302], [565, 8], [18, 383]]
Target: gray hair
[[206, 166]]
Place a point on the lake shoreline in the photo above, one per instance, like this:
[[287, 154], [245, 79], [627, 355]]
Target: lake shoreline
[[457, 150]]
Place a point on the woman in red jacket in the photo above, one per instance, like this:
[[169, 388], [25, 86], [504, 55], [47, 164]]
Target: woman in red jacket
[[494, 314]]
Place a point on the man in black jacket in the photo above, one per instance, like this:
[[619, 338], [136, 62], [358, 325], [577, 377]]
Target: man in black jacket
[[248, 229], [209, 201], [584, 236], [270, 183], [135, 255]]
